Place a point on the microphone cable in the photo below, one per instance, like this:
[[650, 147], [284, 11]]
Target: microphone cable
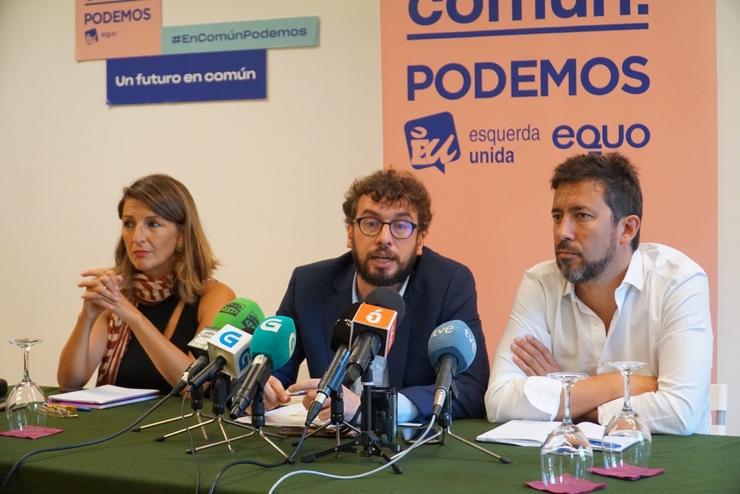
[[196, 465], [92, 442], [394, 459], [290, 459]]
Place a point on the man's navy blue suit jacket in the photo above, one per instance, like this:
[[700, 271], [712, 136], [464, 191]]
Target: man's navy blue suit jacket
[[439, 290]]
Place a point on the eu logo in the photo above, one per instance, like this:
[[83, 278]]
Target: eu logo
[[432, 141]]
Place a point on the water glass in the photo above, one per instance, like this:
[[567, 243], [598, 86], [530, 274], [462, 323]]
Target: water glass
[[566, 450]]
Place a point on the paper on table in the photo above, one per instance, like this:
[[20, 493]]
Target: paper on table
[[293, 415], [534, 433], [105, 396]]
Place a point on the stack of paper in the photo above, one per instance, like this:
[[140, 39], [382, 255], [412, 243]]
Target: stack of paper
[[105, 396], [534, 433], [292, 415]]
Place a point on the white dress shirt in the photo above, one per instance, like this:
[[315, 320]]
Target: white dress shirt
[[662, 319]]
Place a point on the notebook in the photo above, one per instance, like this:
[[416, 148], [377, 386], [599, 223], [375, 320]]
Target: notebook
[[105, 396], [533, 433]]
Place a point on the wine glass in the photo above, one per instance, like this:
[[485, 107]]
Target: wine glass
[[23, 407], [627, 439], [566, 450]]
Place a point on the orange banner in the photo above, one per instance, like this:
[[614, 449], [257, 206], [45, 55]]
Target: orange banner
[[483, 98], [117, 28]]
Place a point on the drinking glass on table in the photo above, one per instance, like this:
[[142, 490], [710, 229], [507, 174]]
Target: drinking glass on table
[[24, 404], [566, 451], [627, 440]]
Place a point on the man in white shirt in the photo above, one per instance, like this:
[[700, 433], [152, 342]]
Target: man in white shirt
[[605, 298]]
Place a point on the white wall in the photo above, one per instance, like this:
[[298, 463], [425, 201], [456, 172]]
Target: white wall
[[728, 113], [268, 176]]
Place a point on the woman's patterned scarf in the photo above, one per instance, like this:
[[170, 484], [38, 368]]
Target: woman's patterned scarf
[[119, 334]]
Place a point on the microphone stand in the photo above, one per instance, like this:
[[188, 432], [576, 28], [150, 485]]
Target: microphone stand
[[337, 420], [196, 404], [257, 425], [367, 443], [258, 421], [219, 396], [445, 423]]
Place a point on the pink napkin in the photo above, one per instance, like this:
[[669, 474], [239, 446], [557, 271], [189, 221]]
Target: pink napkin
[[32, 432], [571, 485], [628, 472]]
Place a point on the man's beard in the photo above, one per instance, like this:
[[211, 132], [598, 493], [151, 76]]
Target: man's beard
[[588, 270], [382, 278]]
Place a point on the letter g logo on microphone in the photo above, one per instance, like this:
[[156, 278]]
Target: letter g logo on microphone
[[291, 343], [230, 338], [244, 360], [271, 324]]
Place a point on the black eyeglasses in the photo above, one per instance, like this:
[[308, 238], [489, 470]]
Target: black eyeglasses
[[400, 229]]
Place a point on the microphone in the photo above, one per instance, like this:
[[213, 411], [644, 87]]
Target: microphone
[[241, 313], [451, 350], [272, 346], [330, 382], [373, 330], [199, 347], [228, 349], [389, 298], [342, 332], [332, 378]]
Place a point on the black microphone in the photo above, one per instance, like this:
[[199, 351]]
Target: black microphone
[[342, 332], [332, 378], [373, 330], [330, 382], [362, 354], [199, 347], [390, 299], [451, 350]]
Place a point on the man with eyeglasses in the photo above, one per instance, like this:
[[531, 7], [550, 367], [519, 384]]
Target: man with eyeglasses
[[387, 216]]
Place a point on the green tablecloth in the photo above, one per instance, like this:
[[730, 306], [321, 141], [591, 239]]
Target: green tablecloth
[[136, 463]]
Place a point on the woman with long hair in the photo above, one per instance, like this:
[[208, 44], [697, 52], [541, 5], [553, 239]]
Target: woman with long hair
[[138, 317]]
